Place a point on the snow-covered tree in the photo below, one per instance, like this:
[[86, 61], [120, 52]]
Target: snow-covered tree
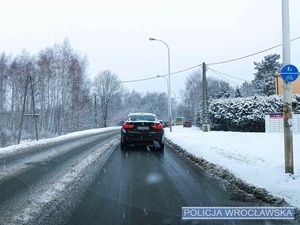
[[108, 87], [247, 89], [4, 61], [157, 103], [224, 90], [192, 95], [264, 81], [237, 92]]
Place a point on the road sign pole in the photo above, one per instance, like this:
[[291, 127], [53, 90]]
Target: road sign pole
[[288, 133], [287, 95], [289, 73]]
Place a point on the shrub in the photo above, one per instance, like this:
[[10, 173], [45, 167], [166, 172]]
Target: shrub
[[246, 114]]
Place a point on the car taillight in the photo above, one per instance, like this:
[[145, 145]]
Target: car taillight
[[157, 127], [128, 126]]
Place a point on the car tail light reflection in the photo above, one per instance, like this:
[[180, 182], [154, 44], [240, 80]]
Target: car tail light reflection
[[128, 126], [157, 127]]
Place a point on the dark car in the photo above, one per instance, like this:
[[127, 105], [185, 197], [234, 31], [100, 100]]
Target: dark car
[[142, 129], [187, 124], [164, 123]]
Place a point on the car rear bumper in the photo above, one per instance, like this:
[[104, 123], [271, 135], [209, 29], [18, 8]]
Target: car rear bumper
[[128, 137]]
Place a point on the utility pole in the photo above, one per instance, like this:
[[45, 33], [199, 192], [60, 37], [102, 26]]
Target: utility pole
[[287, 94], [95, 111], [205, 124], [23, 110], [34, 116]]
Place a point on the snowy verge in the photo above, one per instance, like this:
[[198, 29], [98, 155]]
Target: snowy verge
[[28, 146], [40, 157], [239, 189], [53, 203], [250, 164]]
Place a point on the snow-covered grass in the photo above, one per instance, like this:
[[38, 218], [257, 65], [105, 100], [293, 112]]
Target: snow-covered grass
[[256, 158]]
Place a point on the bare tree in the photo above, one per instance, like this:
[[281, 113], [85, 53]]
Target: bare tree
[[192, 94], [155, 102], [63, 89], [79, 92], [59, 88], [108, 88], [4, 60]]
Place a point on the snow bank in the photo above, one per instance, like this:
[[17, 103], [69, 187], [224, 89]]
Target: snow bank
[[256, 158]]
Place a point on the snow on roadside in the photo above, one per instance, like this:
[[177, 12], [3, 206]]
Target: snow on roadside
[[14, 149], [25, 163], [56, 198], [53, 190], [256, 158]]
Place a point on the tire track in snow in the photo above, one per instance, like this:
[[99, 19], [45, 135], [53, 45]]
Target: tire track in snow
[[51, 200]]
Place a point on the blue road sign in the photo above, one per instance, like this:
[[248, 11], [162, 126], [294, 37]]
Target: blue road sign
[[289, 73]]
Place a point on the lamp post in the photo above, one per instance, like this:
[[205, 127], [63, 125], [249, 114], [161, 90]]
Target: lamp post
[[168, 95], [175, 105], [169, 83]]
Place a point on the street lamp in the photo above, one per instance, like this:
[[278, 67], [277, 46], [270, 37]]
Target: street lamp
[[168, 95], [169, 83]]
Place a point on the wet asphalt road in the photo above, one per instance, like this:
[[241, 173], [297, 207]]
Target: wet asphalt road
[[142, 187]]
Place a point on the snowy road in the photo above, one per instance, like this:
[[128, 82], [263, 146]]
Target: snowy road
[[88, 180], [47, 182], [142, 187]]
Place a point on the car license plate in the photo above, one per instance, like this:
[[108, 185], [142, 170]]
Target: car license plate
[[142, 128]]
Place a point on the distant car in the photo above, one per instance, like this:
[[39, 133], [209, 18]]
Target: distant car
[[142, 129], [120, 123], [164, 123], [179, 120], [187, 124]]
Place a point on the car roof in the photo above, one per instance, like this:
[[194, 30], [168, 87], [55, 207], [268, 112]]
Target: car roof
[[150, 114], [142, 115]]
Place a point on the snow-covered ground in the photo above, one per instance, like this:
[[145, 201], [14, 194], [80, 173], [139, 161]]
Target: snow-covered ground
[[51, 197], [256, 158], [29, 145]]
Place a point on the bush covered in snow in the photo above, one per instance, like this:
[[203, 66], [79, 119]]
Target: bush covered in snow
[[246, 114]]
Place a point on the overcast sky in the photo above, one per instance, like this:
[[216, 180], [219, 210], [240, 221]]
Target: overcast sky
[[114, 34]]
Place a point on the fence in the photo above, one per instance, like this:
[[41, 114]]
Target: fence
[[274, 123]]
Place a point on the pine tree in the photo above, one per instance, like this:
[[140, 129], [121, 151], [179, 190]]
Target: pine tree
[[237, 92], [264, 81]]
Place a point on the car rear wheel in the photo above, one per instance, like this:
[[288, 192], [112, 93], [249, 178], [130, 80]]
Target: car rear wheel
[[123, 146], [161, 148]]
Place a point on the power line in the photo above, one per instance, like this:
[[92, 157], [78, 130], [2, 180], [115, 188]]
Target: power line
[[215, 71], [247, 56], [157, 76], [193, 67], [149, 78], [180, 71], [216, 63]]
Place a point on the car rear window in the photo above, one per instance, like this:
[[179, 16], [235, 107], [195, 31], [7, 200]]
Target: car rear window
[[141, 118]]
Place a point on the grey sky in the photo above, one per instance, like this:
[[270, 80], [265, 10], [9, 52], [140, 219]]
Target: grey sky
[[115, 34]]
